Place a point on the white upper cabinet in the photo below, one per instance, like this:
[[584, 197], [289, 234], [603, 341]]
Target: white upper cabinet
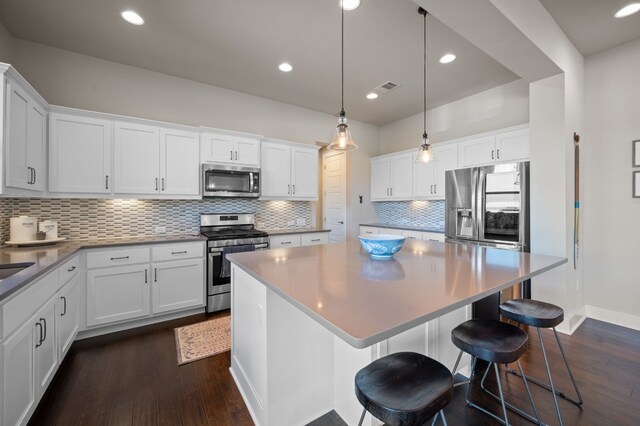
[[447, 159], [179, 162], [289, 171], [513, 145], [136, 159], [80, 154], [25, 138], [429, 177], [392, 177], [230, 149], [424, 179], [499, 147]]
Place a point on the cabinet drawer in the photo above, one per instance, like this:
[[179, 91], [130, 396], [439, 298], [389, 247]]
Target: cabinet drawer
[[314, 239], [117, 257], [284, 241], [411, 235], [162, 252], [18, 310], [69, 270], [369, 230], [433, 236]]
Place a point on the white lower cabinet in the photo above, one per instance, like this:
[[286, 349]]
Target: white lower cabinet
[[67, 314], [298, 240], [117, 294], [415, 235], [177, 285], [46, 355]]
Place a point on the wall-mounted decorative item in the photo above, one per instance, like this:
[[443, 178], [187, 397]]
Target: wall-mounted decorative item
[[636, 184], [636, 153]]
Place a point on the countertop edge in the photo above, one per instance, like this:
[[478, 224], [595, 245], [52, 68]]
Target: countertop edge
[[403, 227], [293, 231]]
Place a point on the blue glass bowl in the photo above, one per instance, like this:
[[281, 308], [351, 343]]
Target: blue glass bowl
[[381, 246]]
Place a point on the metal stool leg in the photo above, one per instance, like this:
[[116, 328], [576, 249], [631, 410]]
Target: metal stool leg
[[512, 407], [504, 421], [561, 394], [435, 418], [362, 417], [455, 368], [553, 390]]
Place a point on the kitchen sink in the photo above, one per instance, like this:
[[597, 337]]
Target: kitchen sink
[[10, 269]]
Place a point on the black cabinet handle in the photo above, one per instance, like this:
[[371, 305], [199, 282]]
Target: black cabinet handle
[[492, 154], [73, 268], [236, 155], [179, 252], [45, 328], [156, 184], [163, 184], [231, 155], [435, 188], [498, 153], [285, 242], [64, 305], [35, 176], [146, 276], [315, 241], [120, 258], [38, 324], [155, 271], [106, 182]]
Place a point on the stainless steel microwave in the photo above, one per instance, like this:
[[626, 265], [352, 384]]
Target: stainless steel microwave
[[230, 181]]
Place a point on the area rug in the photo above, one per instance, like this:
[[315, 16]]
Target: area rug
[[204, 339]]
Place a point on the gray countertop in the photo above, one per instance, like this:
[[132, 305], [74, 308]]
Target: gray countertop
[[404, 227], [364, 301], [287, 231], [45, 258]]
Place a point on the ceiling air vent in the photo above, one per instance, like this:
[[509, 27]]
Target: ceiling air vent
[[386, 87]]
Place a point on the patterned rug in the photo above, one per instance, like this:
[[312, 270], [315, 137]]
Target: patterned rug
[[208, 338]]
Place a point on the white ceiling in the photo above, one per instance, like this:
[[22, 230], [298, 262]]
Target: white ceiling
[[590, 24], [238, 44]]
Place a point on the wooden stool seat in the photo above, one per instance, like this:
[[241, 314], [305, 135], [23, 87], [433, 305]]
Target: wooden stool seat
[[532, 312], [491, 341], [404, 388]]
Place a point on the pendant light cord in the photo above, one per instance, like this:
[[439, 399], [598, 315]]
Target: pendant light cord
[[424, 92], [342, 59]]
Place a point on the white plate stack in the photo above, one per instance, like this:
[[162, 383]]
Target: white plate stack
[[23, 228]]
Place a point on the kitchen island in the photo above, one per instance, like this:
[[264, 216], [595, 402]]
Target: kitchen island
[[305, 320]]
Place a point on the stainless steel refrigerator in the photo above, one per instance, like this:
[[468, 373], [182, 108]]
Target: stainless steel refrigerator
[[489, 206]]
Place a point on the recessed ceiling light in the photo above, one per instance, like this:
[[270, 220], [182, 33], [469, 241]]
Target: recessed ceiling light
[[629, 9], [285, 67], [448, 58], [372, 95], [349, 4], [132, 17]]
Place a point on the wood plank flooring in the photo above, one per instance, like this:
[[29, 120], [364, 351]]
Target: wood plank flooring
[[132, 378]]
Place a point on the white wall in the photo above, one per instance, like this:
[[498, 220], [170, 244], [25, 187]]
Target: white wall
[[5, 45], [496, 108], [74, 80], [611, 242]]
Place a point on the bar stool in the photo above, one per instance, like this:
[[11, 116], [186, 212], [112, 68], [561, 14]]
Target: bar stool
[[496, 343], [404, 389], [541, 315]]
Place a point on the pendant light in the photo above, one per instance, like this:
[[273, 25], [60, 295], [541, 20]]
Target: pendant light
[[425, 154], [342, 140]]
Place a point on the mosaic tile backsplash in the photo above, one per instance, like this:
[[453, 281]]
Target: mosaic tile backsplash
[[424, 214], [80, 219]]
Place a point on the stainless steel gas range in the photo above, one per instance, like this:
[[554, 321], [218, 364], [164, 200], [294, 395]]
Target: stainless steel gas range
[[226, 234]]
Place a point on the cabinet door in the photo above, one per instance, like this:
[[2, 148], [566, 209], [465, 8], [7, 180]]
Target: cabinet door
[[17, 173], [137, 159], [446, 159], [424, 179], [179, 163], [275, 173], [36, 140], [433, 236], [46, 355], [411, 235], [117, 294], [67, 325], [512, 145], [18, 376], [247, 152], [177, 285], [380, 175], [369, 230], [217, 148], [285, 241], [402, 176], [80, 154], [304, 173], [477, 151]]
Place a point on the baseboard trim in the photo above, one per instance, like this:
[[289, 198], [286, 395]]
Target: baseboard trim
[[613, 317]]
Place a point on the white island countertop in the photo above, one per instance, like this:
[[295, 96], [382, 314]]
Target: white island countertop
[[364, 301]]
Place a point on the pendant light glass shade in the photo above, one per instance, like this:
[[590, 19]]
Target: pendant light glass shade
[[425, 154], [342, 140]]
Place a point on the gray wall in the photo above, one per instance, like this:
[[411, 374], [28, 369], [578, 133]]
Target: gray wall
[[611, 242]]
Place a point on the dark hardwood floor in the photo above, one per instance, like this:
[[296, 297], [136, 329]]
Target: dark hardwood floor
[[132, 378]]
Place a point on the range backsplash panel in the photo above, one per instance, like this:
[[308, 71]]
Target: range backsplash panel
[[81, 219], [424, 214]]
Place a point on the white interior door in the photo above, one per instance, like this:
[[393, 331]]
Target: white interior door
[[334, 187]]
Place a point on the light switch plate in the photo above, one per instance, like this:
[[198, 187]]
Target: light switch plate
[[160, 230]]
